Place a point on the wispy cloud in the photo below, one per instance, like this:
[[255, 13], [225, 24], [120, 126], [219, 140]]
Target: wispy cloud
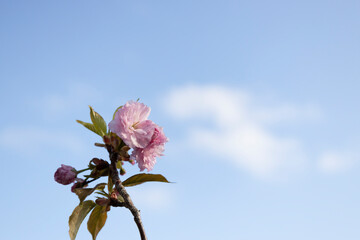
[[227, 122], [332, 162]]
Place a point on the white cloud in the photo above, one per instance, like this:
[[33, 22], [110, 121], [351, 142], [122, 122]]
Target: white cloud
[[332, 162], [239, 128], [288, 113], [211, 102], [35, 140], [251, 148]]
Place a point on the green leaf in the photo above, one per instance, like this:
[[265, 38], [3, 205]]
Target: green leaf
[[103, 194], [90, 126], [78, 215], [116, 111], [98, 121], [82, 193], [144, 177], [118, 164], [97, 220]]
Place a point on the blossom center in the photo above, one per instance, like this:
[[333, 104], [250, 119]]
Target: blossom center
[[134, 125]]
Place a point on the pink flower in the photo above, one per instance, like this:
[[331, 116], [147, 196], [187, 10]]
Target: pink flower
[[65, 174], [132, 126], [146, 157]]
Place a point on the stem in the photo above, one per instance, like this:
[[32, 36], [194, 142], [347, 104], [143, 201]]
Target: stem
[[83, 170], [122, 191], [100, 145], [87, 182]]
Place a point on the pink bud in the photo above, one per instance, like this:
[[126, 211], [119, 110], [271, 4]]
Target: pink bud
[[113, 195], [65, 174], [77, 184], [102, 201]]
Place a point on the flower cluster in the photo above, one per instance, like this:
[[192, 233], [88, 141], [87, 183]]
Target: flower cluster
[[142, 135], [130, 129]]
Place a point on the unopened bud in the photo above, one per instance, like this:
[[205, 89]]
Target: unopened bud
[[65, 174], [96, 161], [102, 201], [113, 195], [100, 163], [78, 184]]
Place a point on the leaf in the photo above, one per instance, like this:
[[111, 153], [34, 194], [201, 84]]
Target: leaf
[[116, 111], [82, 193], [90, 126], [103, 194], [78, 215], [97, 220], [118, 164], [98, 121], [144, 177]]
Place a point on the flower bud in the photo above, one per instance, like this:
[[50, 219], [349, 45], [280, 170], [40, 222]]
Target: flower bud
[[114, 195], [102, 201], [65, 174], [77, 184], [99, 163], [108, 208], [96, 161]]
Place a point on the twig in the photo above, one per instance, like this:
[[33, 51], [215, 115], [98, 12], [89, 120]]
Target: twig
[[123, 193], [87, 182], [116, 203], [99, 145]]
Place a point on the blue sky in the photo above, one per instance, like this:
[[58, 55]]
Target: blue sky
[[260, 100]]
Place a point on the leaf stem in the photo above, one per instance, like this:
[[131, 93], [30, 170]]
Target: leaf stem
[[87, 182], [83, 170]]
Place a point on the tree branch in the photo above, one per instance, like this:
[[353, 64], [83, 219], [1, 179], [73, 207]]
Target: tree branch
[[122, 191], [116, 203]]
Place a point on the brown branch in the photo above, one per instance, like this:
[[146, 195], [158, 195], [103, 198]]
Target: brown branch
[[116, 203], [123, 193]]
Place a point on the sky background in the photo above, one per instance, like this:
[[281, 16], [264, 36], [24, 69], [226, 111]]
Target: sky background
[[260, 101]]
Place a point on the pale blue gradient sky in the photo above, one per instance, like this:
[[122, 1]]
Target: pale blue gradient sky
[[297, 63]]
